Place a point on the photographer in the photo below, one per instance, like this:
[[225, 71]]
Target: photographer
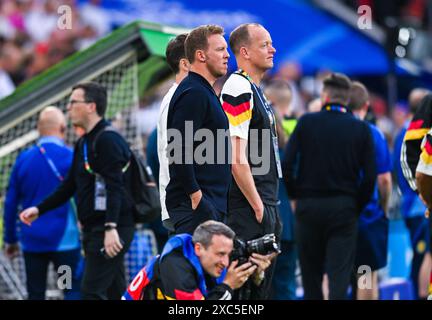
[[196, 267]]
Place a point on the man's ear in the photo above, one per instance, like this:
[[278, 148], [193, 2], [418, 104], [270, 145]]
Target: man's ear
[[200, 56], [198, 247], [244, 52], [184, 64], [62, 128], [92, 107]]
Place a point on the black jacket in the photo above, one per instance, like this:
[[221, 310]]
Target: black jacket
[[113, 154], [176, 279], [195, 102], [330, 153]]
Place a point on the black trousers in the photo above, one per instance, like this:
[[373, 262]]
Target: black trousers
[[36, 265], [185, 220], [246, 227], [326, 232], [104, 279]]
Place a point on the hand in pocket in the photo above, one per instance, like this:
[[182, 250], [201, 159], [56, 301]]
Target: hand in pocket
[[196, 198]]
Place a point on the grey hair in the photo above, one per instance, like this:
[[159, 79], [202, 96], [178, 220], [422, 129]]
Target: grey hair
[[205, 231]]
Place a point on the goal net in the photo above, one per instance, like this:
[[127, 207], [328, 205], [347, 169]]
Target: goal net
[[127, 76]]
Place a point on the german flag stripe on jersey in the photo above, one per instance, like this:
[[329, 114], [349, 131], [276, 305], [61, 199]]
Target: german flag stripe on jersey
[[426, 154], [238, 109], [235, 121], [415, 134], [183, 295], [416, 124], [412, 151], [430, 286]]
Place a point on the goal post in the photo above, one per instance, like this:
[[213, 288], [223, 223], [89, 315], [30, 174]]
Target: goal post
[[129, 63]]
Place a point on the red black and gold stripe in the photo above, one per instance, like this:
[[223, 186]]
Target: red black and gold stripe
[[238, 109], [416, 130], [426, 154]]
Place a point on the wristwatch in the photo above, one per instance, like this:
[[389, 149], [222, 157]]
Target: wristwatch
[[109, 226]]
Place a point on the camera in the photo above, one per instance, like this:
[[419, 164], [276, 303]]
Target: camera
[[264, 245]]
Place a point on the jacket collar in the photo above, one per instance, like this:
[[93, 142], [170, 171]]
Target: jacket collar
[[99, 126], [51, 139], [199, 78]]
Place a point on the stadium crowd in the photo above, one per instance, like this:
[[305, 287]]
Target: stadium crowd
[[31, 41]]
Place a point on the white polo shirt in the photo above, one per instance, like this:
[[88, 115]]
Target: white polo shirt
[[162, 145]]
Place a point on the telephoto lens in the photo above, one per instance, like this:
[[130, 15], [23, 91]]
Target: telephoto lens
[[265, 245], [243, 250]]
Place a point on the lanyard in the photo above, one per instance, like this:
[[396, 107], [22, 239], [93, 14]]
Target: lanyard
[[87, 166], [267, 108], [49, 161], [86, 162], [335, 107], [272, 120], [56, 172]]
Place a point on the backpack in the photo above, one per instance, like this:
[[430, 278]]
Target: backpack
[[142, 190]]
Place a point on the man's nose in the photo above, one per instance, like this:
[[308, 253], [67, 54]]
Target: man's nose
[[225, 261]]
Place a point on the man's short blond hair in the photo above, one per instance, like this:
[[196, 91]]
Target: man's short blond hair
[[240, 36], [197, 39]]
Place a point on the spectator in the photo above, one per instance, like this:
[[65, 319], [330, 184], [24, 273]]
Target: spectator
[[42, 20], [373, 224], [6, 84], [279, 94], [55, 237], [284, 280]]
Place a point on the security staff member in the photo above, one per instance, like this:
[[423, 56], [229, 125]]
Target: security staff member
[[329, 168]]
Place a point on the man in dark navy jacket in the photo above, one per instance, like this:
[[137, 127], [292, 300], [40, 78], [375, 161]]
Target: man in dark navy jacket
[[329, 168], [199, 168]]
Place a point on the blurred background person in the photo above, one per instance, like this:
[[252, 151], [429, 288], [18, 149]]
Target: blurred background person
[[413, 209], [158, 141], [321, 172], [373, 223], [284, 280], [54, 237]]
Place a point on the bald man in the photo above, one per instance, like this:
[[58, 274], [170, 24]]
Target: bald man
[[54, 237]]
